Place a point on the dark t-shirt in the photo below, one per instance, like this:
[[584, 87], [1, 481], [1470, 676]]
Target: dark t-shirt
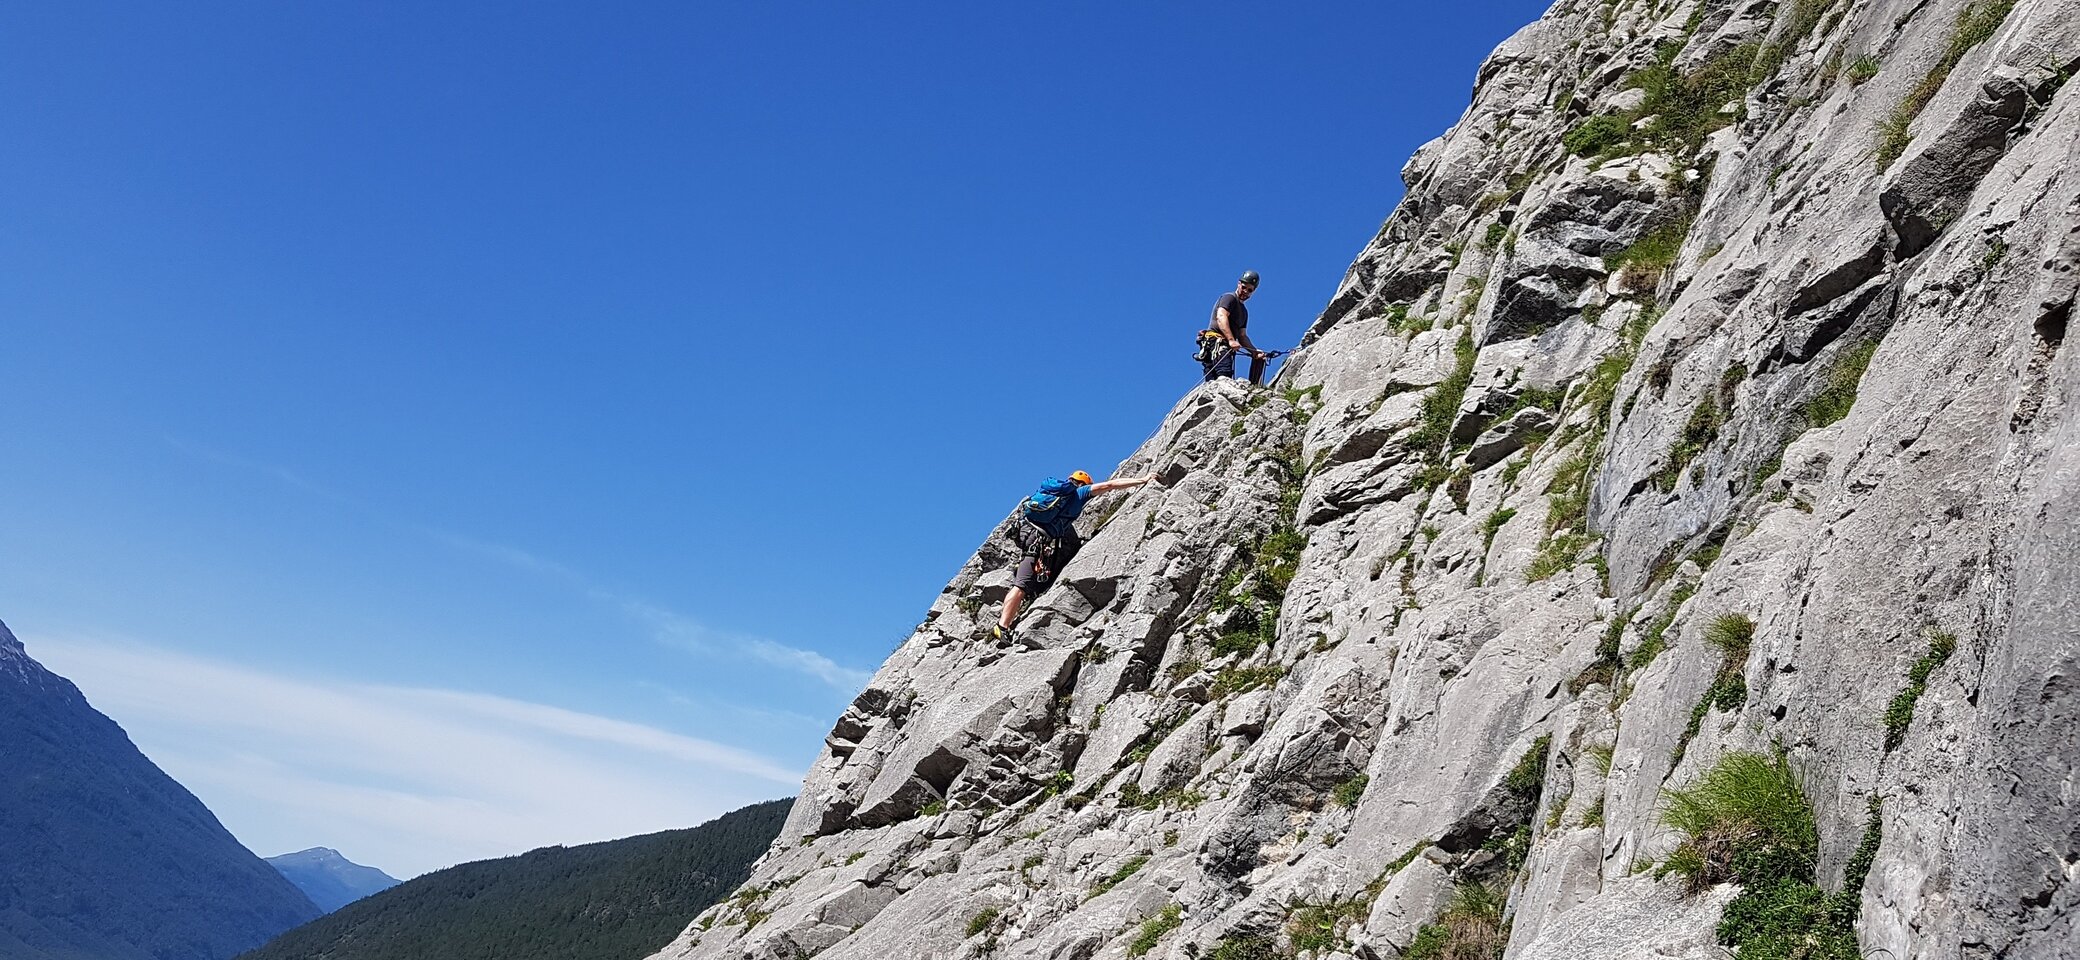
[[1238, 315]]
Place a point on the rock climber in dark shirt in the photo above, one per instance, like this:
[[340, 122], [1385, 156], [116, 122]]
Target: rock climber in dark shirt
[[1230, 323]]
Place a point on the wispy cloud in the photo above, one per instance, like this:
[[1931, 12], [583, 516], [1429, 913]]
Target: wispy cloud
[[691, 635], [764, 717], [407, 779], [663, 625], [277, 471], [510, 556], [808, 661]]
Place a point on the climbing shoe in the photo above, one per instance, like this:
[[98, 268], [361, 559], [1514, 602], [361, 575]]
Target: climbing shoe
[[1003, 634]]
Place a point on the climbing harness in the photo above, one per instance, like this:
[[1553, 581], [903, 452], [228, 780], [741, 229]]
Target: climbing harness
[[1209, 348]]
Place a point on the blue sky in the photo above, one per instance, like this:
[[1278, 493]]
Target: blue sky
[[608, 388]]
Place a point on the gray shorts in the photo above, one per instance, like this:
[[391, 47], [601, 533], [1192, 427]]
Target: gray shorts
[[1034, 546]]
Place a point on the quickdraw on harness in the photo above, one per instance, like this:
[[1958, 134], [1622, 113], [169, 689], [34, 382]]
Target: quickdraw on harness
[[1030, 537], [1209, 348]]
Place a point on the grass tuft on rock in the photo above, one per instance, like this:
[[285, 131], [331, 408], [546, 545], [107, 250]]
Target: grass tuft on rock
[[1567, 510], [1727, 692], [1899, 713], [1567, 515], [1698, 433], [1319, 927], [1407, 857], [1596, 135], [1404, 322], [981, 921], [1657, 634], [1732, 634], [1493, 238], [1348, 793], [1470, 928], [1835, 399], [1235, 680], [1441, 406], [1528, 776], [1493, 525], [1688, 107], [1154, 929], [1975, 25], [1745, 821], [1680, 109], [1268, 570], [1119, 876], [1246, 947], [1806, 16], [1748, 821], [1639, 265], [1609, 660]]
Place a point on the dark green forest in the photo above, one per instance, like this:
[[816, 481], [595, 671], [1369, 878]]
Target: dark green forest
[[619, 900]]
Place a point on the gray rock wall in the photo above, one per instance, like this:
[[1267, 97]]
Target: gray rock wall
[[1702, 309]]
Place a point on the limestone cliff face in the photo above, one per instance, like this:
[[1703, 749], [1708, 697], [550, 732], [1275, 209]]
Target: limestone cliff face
[[1707, 389]]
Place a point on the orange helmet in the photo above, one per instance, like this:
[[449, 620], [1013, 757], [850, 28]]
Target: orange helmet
[[1082, 479]]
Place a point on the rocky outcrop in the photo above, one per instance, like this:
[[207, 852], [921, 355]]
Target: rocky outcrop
[[1705, 398]]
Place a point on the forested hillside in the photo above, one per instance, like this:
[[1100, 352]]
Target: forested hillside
[[600, 901]]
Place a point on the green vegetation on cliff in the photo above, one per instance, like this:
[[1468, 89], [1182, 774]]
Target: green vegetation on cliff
[[1747, 821]]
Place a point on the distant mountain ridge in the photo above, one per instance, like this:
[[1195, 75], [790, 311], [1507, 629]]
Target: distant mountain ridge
[[331, 881], [106, 857], [601, 901]]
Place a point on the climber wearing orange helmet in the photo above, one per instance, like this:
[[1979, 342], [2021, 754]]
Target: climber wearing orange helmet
[[1045, 532]]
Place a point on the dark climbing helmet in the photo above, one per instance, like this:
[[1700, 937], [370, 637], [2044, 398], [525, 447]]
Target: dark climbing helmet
[[1249, 277]]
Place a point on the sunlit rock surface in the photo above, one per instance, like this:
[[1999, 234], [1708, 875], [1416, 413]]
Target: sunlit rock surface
[[1784, 340]]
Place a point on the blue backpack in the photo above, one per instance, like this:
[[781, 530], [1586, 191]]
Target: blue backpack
[[1054, 507]]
